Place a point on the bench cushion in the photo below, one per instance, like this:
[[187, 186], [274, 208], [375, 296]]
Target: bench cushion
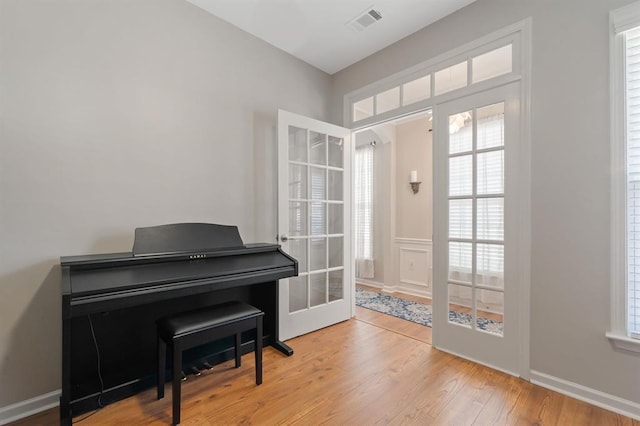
[[205, 318]]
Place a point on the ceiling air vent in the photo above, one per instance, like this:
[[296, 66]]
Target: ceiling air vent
[[362, 21]]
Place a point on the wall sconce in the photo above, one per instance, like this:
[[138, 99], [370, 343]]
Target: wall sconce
[[413, 181]]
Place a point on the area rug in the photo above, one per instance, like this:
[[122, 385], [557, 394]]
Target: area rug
[[417, 312]]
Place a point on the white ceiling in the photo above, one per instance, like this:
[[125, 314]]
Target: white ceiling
[[315, 31]]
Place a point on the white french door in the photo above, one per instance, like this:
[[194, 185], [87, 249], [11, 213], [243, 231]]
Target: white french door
[[314, 226], [476, 294]]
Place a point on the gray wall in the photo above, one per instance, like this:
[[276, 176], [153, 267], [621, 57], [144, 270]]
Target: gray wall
[[570, 168], [414, 212], [120, 114]]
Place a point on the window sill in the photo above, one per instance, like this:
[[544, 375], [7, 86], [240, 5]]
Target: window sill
[[624, 342]]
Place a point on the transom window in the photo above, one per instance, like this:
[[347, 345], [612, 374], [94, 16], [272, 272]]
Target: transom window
[[439, 81]]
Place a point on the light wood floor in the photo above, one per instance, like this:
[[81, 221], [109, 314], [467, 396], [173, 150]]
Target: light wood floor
[[354, 373]]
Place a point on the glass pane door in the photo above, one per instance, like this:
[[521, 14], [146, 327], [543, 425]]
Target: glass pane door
[[476, 218], [316, 205], [475, 232], [312, 199]]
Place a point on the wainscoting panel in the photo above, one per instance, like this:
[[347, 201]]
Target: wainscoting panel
[[414, 266]]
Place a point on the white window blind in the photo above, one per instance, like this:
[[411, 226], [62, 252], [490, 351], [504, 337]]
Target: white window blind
[[364, 211], [318, 192], [632, 73], [489, 210]]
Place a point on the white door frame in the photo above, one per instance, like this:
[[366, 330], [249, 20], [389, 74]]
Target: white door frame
[[521, 35]]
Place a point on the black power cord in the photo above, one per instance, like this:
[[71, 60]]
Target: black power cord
[[95, 343]]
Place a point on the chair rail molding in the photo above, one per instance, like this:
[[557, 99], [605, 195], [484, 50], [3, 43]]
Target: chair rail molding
[[418, 241]]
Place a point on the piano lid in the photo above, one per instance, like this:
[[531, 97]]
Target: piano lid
[[146, 276], [185, 237], [169, 261]]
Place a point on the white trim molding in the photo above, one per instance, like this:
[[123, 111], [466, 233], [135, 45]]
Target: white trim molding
[[623, 342], [29, 407], [370, 283], [625, 18], [524, 207], [418, 241], [586, 394]]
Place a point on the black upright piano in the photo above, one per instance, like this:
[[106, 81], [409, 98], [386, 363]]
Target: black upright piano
[[110, 303]]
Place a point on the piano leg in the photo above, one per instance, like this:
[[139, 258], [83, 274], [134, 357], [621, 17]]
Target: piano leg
[[277, 343], [65, 397], [282, 347], [177, 382]]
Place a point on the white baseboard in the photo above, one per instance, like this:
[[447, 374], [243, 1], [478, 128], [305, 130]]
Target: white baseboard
[[370, 283], [410, 290], [413, 290], [583, 393], [29, 407]]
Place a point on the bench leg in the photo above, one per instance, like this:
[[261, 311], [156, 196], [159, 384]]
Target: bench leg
[[177, 381], [258, 347], [162, 359], [237, 349]]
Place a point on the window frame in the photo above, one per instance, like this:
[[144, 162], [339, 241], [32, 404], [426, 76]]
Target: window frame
[[521, 34], [620, 20]]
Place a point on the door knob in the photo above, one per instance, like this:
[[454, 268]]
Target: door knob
[[284, 238]]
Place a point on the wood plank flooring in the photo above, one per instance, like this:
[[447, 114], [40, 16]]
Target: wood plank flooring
[[354, 373]]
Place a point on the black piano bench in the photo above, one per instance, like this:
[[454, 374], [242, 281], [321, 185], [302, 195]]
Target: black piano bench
[[194, 328]]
